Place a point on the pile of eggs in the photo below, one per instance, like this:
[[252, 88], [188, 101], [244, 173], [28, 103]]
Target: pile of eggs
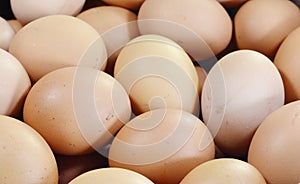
[[150, 91]]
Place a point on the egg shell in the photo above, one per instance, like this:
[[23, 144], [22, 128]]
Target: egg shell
[[116, 31], [14, 85], [156, 73], [6, 34], [15, 24], [195, 25], [29, 10], [274, 149], [42, 46], [129, 4], [287, 62], [77, 109], [69, 167], [240, 90], [162, 144], [262, 25], [111, 175], [224, 170], [25, 157]]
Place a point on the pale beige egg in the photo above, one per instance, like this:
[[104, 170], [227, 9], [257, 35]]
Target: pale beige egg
[[6, 34]]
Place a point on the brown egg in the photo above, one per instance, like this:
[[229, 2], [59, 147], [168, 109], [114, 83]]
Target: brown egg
[[232, 3], [202, 74], [163, 145], [262, 25], [29, 10], [15, 24], [14, 85], [25, 157], [77, 109], [116, 31], [69, 167], [287, 62], [6, 34], [274, 149], [42, 46], [112, 176], [195, 25], [224, 170], [157, 73], [129, 4], [240, 90]]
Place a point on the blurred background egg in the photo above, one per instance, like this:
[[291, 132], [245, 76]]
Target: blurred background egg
[[57, 41], [157, 73], [14, 85], [224, 170], [77, 109], [262, 25], [6, 34], [287, 61], [202, 28], [29, 10], [129, 4], [116, 31], [25, 157], [274, 149], [240, 90], [112, 176], [163, 145]]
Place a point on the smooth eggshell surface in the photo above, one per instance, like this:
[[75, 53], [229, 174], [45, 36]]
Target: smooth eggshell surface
[[6, 34], [112, 176], [77, 109], [240, 90], [14, 85], [224, 171], [157, 73], [29, 10], [25, 157], [195, 25], [116, 31], [262, 25], [274, 149], [57, 41], [15, 24], [163, 145], [287, 62]]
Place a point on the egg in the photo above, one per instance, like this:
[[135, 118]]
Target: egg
[[156, 73], [14, 85], [162, 144], [6, 34], [274, 149], [69, 167], [195, 25], [262, 25], [286, 60], [25, 157], [15, 24], [42, 46], [77, 109], [224, 170], [202, 74], [232, 3], [129, 4], [29, 10], [240, 90], [111, 175], [116, 31]]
